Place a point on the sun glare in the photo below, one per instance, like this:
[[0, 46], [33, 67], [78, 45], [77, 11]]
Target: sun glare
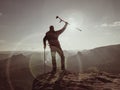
[[72, 23]]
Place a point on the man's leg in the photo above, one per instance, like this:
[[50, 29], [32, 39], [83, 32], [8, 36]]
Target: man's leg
[[60, 52], [53, 53]]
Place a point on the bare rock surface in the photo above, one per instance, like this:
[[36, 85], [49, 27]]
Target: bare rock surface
[[65, 80]]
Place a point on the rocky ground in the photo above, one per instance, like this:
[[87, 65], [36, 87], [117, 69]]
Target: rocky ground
[[65, 80]]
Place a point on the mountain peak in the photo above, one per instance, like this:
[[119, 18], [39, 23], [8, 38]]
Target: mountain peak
[[65, 80]]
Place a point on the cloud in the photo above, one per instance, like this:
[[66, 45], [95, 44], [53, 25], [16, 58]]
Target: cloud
[[114, 24]]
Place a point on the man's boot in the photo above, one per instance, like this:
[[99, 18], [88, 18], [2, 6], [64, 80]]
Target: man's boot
[[54, 70], [63, 67], [63, 64]]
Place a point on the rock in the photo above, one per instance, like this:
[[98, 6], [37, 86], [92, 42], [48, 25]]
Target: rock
[[72, 81], [104, 79]]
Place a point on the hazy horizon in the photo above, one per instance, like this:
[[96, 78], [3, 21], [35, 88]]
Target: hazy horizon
[[23, 24]]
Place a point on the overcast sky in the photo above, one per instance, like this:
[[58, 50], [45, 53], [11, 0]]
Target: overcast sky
[[23, 23]]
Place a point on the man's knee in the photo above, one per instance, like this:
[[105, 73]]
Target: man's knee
[[61, 54], [53, 54]]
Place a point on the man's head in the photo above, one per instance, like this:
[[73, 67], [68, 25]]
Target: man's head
[[51, 28]]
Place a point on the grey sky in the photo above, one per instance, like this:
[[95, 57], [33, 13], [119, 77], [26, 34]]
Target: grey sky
[[23, 23]]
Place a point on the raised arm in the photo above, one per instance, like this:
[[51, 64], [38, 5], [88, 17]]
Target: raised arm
[[63, 29]]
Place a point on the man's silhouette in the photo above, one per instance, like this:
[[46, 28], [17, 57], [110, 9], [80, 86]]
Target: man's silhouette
[[52, 37]]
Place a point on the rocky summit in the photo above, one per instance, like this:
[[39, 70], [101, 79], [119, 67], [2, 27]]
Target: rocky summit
[[65, 80]]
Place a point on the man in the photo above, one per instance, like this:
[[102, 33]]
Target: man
[[52, 38]]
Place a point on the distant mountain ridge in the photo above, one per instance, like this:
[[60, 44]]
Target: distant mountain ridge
[[103, 58]]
